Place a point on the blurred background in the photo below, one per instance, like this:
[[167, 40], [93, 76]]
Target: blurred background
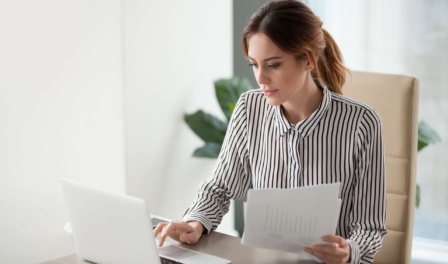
[[95, 91], [405, 37]]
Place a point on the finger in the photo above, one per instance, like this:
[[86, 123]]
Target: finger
[[325, 257], [185, 238], [317, 254], [331, 254], [182, 227], [326, 249], [335, 239], [159, 228], [189, 238], [166, 230], [175, 230], [309, 250]]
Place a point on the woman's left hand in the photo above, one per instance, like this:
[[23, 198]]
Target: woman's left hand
[[338, 251]]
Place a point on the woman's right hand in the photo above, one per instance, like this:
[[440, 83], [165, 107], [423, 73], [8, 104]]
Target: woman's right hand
[[181, 231]]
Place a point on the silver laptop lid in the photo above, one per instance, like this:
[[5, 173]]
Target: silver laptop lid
[[114, 228], [109, 227]]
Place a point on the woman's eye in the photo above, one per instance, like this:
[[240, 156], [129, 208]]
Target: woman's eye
[[273, 66], [253, 65]]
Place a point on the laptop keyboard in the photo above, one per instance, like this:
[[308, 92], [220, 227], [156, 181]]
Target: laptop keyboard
[[168, 261]]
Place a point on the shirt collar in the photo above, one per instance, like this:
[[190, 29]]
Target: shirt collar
[[305, 127]]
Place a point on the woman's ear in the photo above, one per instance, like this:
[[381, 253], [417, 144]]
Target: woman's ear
[[309, 64]]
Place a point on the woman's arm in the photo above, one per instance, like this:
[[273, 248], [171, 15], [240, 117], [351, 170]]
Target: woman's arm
[[368, 215], [231, 178]]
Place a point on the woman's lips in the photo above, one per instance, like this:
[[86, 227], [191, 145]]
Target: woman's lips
[[269, 92]]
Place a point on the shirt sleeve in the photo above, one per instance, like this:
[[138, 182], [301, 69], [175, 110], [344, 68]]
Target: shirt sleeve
[[231, 177], [368, 215]]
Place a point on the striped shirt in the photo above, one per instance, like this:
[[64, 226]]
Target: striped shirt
[[341, 141]]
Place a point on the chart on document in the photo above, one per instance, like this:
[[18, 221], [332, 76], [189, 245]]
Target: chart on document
[[291, 220], [280, 221]]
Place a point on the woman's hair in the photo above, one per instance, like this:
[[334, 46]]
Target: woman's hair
[[295, 29]]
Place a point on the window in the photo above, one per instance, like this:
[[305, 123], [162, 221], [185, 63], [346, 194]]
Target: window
[[411, 38]]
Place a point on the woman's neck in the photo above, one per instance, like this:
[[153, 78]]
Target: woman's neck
[[304, 104]]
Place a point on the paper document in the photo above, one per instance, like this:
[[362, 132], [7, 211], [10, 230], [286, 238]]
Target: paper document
[[291, 219]]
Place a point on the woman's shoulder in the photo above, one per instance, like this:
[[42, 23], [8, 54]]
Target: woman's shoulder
[[254, 101], [367, 111], [351, 103]]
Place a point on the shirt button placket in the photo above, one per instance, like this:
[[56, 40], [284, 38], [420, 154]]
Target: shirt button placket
[[294, 166]]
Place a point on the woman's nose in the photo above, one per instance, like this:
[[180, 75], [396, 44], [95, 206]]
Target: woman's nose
[[261, 77]]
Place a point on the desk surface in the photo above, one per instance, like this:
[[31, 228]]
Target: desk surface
[[224, 246]]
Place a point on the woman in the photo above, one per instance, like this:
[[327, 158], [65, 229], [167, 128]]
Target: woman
[[297, 130]]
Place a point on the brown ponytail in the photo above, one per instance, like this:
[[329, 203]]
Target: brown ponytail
[[330, 69], [295, 29]]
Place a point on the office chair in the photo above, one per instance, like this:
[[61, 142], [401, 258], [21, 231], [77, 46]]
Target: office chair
[[395, 97]]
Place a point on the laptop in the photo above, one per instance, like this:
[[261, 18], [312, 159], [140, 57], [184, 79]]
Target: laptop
[[111, 228]]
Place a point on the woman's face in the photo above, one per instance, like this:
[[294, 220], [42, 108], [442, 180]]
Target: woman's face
[[280, 75]]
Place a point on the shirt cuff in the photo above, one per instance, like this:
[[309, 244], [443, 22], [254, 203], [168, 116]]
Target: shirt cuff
[[354, 252], [201, 219]]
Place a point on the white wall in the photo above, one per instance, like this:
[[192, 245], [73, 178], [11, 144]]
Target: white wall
[[70, 73], [61, 115], [174, 51]]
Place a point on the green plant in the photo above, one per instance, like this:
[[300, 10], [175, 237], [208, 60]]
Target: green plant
[[211, 129], [426, 136]]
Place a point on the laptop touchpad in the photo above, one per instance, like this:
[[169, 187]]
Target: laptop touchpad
[[176, 252]]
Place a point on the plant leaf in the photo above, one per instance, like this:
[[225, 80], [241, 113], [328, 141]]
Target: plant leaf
[[426, 135], [206, 126], [209, 150], [228, 92]]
